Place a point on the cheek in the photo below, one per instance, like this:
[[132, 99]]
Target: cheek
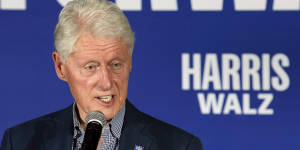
[[80, 86], [122, 83]]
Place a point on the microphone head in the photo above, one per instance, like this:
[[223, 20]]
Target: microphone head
[[96, 116]]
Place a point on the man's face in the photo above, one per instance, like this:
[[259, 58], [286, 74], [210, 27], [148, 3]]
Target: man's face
[[97, 73]]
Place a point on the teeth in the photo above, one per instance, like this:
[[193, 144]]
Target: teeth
[[105, 98]]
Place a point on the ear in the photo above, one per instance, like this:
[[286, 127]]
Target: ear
[[59, 66]]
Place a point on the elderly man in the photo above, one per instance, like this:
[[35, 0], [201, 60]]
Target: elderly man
[[94, 45]]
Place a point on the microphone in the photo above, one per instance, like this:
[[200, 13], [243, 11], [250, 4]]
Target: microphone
[[95, 121]]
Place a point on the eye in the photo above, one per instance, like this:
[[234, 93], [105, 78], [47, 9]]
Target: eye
[[90, 67], [116, 65]]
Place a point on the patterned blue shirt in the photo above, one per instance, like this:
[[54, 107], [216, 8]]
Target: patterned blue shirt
[[111, 133]]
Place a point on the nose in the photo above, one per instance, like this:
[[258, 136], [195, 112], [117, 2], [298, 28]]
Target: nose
[[105, 80]]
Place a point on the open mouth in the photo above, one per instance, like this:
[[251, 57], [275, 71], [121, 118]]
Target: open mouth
[[105, 99]]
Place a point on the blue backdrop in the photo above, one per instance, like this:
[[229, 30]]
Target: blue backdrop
[[174, 48]]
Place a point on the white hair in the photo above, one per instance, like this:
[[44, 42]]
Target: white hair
[[99, 18]]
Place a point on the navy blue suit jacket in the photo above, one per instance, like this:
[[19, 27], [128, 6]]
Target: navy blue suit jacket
[[55, 132]]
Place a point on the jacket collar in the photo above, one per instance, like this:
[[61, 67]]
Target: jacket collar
[[135, 130], [59, 130]]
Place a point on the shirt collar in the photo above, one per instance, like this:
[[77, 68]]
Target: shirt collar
[[115, 124]]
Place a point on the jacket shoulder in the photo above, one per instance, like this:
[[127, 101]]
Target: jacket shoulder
[[171, 137], [164, 135], [56, 117], [30, 132]]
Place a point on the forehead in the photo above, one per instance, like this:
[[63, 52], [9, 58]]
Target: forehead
[[91, 43], [87, 44], [90, 48]]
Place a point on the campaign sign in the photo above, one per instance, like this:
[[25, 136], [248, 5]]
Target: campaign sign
[[223, 70]]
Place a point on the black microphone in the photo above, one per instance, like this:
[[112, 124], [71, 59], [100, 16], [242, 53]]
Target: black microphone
[[95, 121]]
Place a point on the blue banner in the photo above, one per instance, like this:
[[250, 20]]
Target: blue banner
[[224, 71]]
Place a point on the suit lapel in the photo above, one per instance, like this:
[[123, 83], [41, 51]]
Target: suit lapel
[[59, 131], [135, 130]]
